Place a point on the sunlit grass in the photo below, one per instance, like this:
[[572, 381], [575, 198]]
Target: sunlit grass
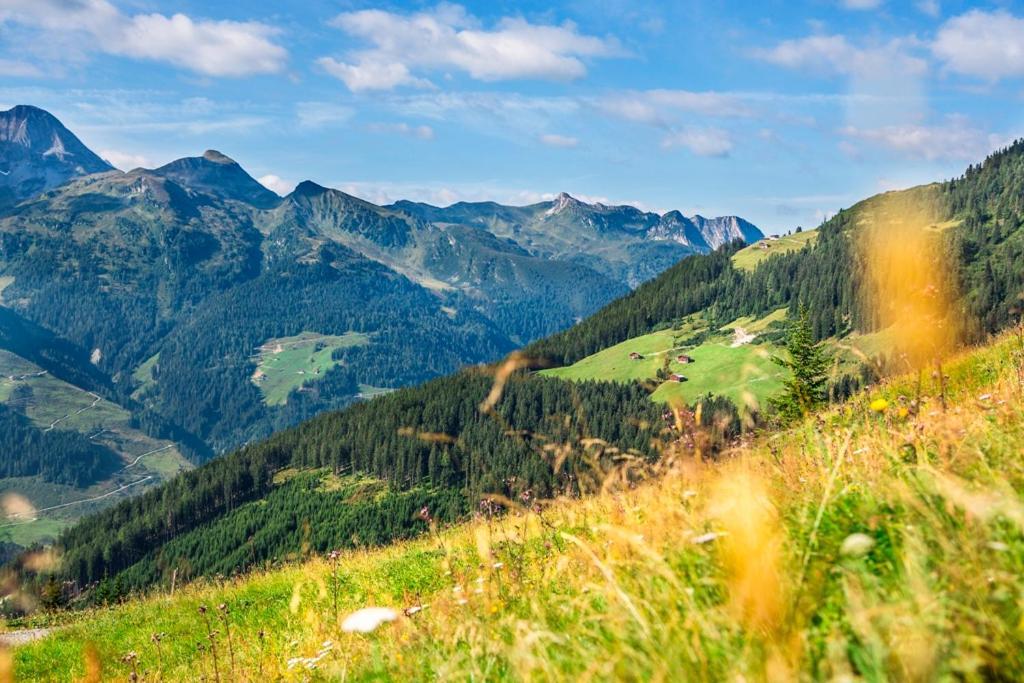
[[882, 543]]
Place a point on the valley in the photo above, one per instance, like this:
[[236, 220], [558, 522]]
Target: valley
[[188, 309], [52, 404]]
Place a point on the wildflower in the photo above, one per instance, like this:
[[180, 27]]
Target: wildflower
[[879, 405], [368, 619], [409, 611], [856, 545], [903, 412]]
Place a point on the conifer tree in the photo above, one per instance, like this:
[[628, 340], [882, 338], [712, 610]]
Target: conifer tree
[[805, 390]]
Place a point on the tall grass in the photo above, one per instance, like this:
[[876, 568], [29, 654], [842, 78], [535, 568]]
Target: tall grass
[[867, 542]]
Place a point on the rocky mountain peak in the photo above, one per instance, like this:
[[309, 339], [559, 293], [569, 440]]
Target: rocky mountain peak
[[217, 157], [38, 153], [563, 201], [218, 175]]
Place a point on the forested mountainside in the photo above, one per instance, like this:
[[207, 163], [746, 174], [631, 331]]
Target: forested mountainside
[[207, 303], [236, 511], [434, 439], [982, 228]]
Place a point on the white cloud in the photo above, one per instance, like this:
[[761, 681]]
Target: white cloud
[[705, 142], [955, 139], [885, 80], [555, 140], [370, 75], [125, 161], [208, 47], [408, 130], [835, 54], [318, 114], [862, 4], [12, 68], [988, 45], [276, 184], [656, 107], [448, 38]]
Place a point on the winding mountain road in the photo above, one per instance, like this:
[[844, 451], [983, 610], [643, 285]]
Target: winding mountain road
[[77, 412]]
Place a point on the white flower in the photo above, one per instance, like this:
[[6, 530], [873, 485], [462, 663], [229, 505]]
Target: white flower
[[368, 619]]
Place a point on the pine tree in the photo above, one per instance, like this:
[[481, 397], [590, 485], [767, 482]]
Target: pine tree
[[805, 390]]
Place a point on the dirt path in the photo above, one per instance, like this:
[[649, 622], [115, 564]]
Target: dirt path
[[27, 635], [35, 513], [77, 412], [136, 460]]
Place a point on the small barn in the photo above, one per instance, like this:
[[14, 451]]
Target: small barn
[[633, 355], [676, 377], [683, 358]]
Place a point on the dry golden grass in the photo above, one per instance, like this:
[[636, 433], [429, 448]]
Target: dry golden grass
[[874, 543]]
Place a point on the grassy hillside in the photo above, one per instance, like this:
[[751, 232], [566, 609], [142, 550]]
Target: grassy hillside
[[287, 363], [880, 540], [53, 404], [724, 362], [743, 373], [748, 257]]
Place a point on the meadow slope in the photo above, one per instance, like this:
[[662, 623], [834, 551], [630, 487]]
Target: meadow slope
[[883, 539]]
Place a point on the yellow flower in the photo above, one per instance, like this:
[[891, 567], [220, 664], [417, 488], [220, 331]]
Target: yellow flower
[[879, 404], [903, 412]]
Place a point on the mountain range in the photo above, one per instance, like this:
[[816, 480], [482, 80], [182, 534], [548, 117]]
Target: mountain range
[[215, 311], [434, 452]]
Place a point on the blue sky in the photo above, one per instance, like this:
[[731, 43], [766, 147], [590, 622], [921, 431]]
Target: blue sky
[[781, 112]]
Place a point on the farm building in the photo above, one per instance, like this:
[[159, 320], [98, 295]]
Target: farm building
[[683, 358], [633, 355], [676, 377]]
